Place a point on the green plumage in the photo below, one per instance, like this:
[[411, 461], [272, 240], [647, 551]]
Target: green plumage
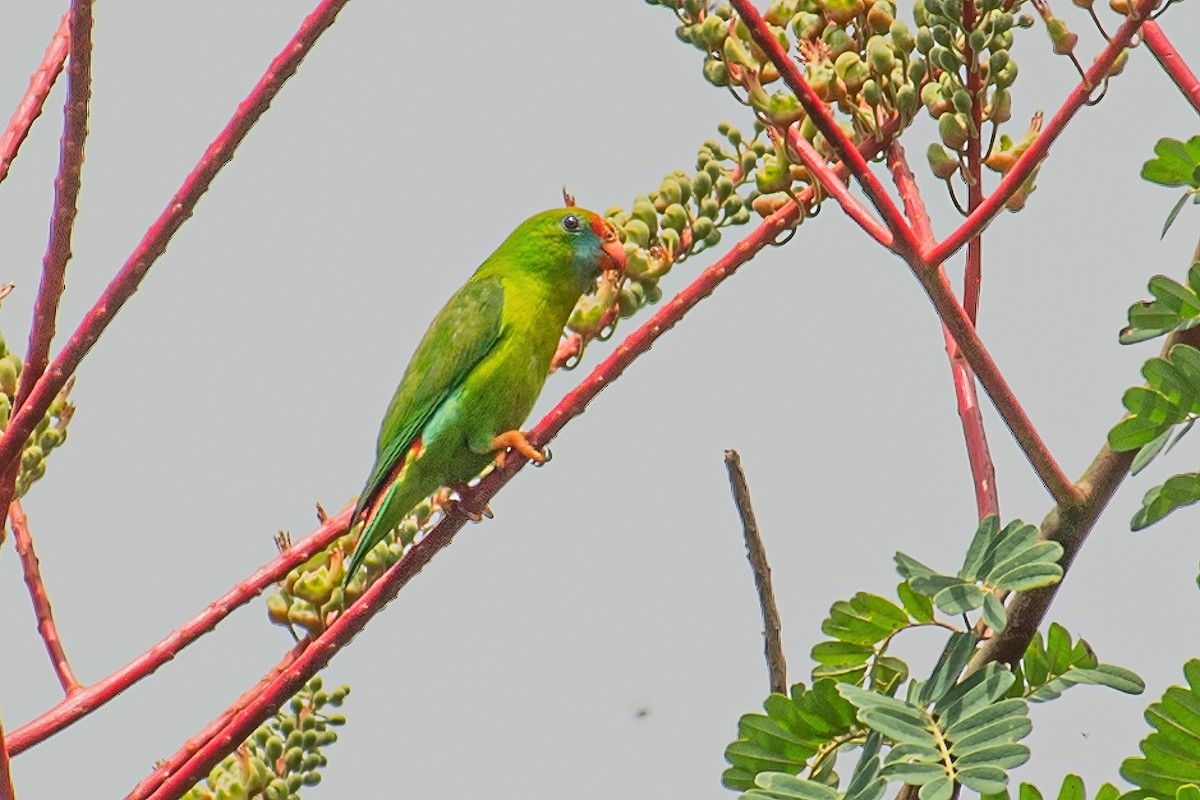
[[480, 367]]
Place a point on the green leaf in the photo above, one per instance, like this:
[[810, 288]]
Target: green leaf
[[919, 607], [1149, 451], [1174, 308], [1051, 669], [1175, 209], [1146, 403], [1132, 433], [1174, 164], [994, 615], [981, 543], [781, 786], [1171, 756], [1178, 491], [955, 656]]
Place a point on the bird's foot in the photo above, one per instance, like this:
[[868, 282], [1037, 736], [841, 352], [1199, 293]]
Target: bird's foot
[[517, 441], [456, 503]]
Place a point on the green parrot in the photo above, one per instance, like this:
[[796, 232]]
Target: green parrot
[[481, 365]]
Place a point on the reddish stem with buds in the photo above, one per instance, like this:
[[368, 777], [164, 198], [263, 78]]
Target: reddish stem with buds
[[30, 107], [192, 762], [41, 601], [823, 174], [1171, 62]]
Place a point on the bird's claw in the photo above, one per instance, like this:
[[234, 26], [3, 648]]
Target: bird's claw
[[547, 457]]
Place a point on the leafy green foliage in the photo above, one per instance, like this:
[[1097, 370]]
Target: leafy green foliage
[[794, 730], [1072, 789], [1050, 667], [1171, 755], [283, 755], [1174, 307], [1175, 163], [1012, 559], [861, 629], [1178, 491], [866, 782]]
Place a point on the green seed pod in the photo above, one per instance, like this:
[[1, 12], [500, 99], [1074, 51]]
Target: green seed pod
[[880, 16], [962, 101], [712, 33], [942, 35], [1002, 41], [735, 52], [653, 293], [671, 191], [273, 748], [838, 41], [952, 9], [713, 238], [675, 217], [50, 439], [31, 457], [734, 136], [630, 299], [916, 70], [670, 240], [879, 52], [749, 159], [684, 33], [931, 93], [997, 61], [710, 207], [902, 37], [953, 130], [933, 8], [772, 176], [713, 169], [3, 346], [925, 41], [724, 187], [941, 163], [715, 72], [999, 110], [851, 69], [732, 205], [907, 101], [871, 93], [943, 59], [701, 227], [783, 109], [808, 27], [701, 185], [1002, 22]]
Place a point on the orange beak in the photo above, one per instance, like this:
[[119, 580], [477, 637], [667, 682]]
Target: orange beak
[[614, 252]]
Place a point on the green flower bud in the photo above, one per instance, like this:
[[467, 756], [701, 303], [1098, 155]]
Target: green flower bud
[[1002, 22], [8, 377], [724, 187], [701, 227], [953, 130], [732, 205], [997, 61], [872, 94], [772, 176], [714, 170], [916, 70], [962, 101], [879, 51], [50, 439], [1119, 64], [670, 191], [952, 9], [838, 41], [710, 207], [1002, 41], [977, 41], [643, 211], [273, 748], [1004, 78], [3, 346], [715, 72], [637, 232], [942, 35], [736, 53], [933, 9], [675, 217], [943, 59], [684, 33], [924, 41], [712, 33], [999, 110], [701, 185], [853, 72], [1064, 41], [841, 12], [808, 27], [902, 37], [907, 101], [880, 16], [941, 163], [713, 238], [920, 14], [783, 109]]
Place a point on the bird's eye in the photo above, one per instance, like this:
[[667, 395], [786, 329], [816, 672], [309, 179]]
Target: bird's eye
[[571, 223]]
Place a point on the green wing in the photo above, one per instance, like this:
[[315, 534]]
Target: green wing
[[460, 336]]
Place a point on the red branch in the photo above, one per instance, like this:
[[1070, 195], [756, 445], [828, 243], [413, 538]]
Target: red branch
[[41, 601], [6, 785], [983, 215], [155, 241], [1172, 63], [979, 456], [30, 107], [819, 113], [87, 700], [833, 186], [62, 220], [197, 760]]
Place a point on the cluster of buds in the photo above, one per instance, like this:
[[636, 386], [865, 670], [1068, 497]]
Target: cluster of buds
[[283, 755], [857, 56], [951, 52], [51, 430], [312, 593], [681, 218]]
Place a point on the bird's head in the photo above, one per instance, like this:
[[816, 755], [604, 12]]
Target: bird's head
[[582, 241]]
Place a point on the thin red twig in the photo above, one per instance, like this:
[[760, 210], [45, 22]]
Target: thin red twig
[[6, 785], [194, 761], [155, 241], [90, 698], [833, 186], [987, 210], [30, 107], [41, 601], [819, 113], [62, 219], [979, 456], [1172, 63]]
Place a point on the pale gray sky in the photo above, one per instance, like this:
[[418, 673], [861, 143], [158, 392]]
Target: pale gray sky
[[246, 380]]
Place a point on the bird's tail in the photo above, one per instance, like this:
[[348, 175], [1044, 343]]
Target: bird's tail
[[391, 509]]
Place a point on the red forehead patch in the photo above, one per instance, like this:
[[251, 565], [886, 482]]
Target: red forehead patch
[[601, 227]]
